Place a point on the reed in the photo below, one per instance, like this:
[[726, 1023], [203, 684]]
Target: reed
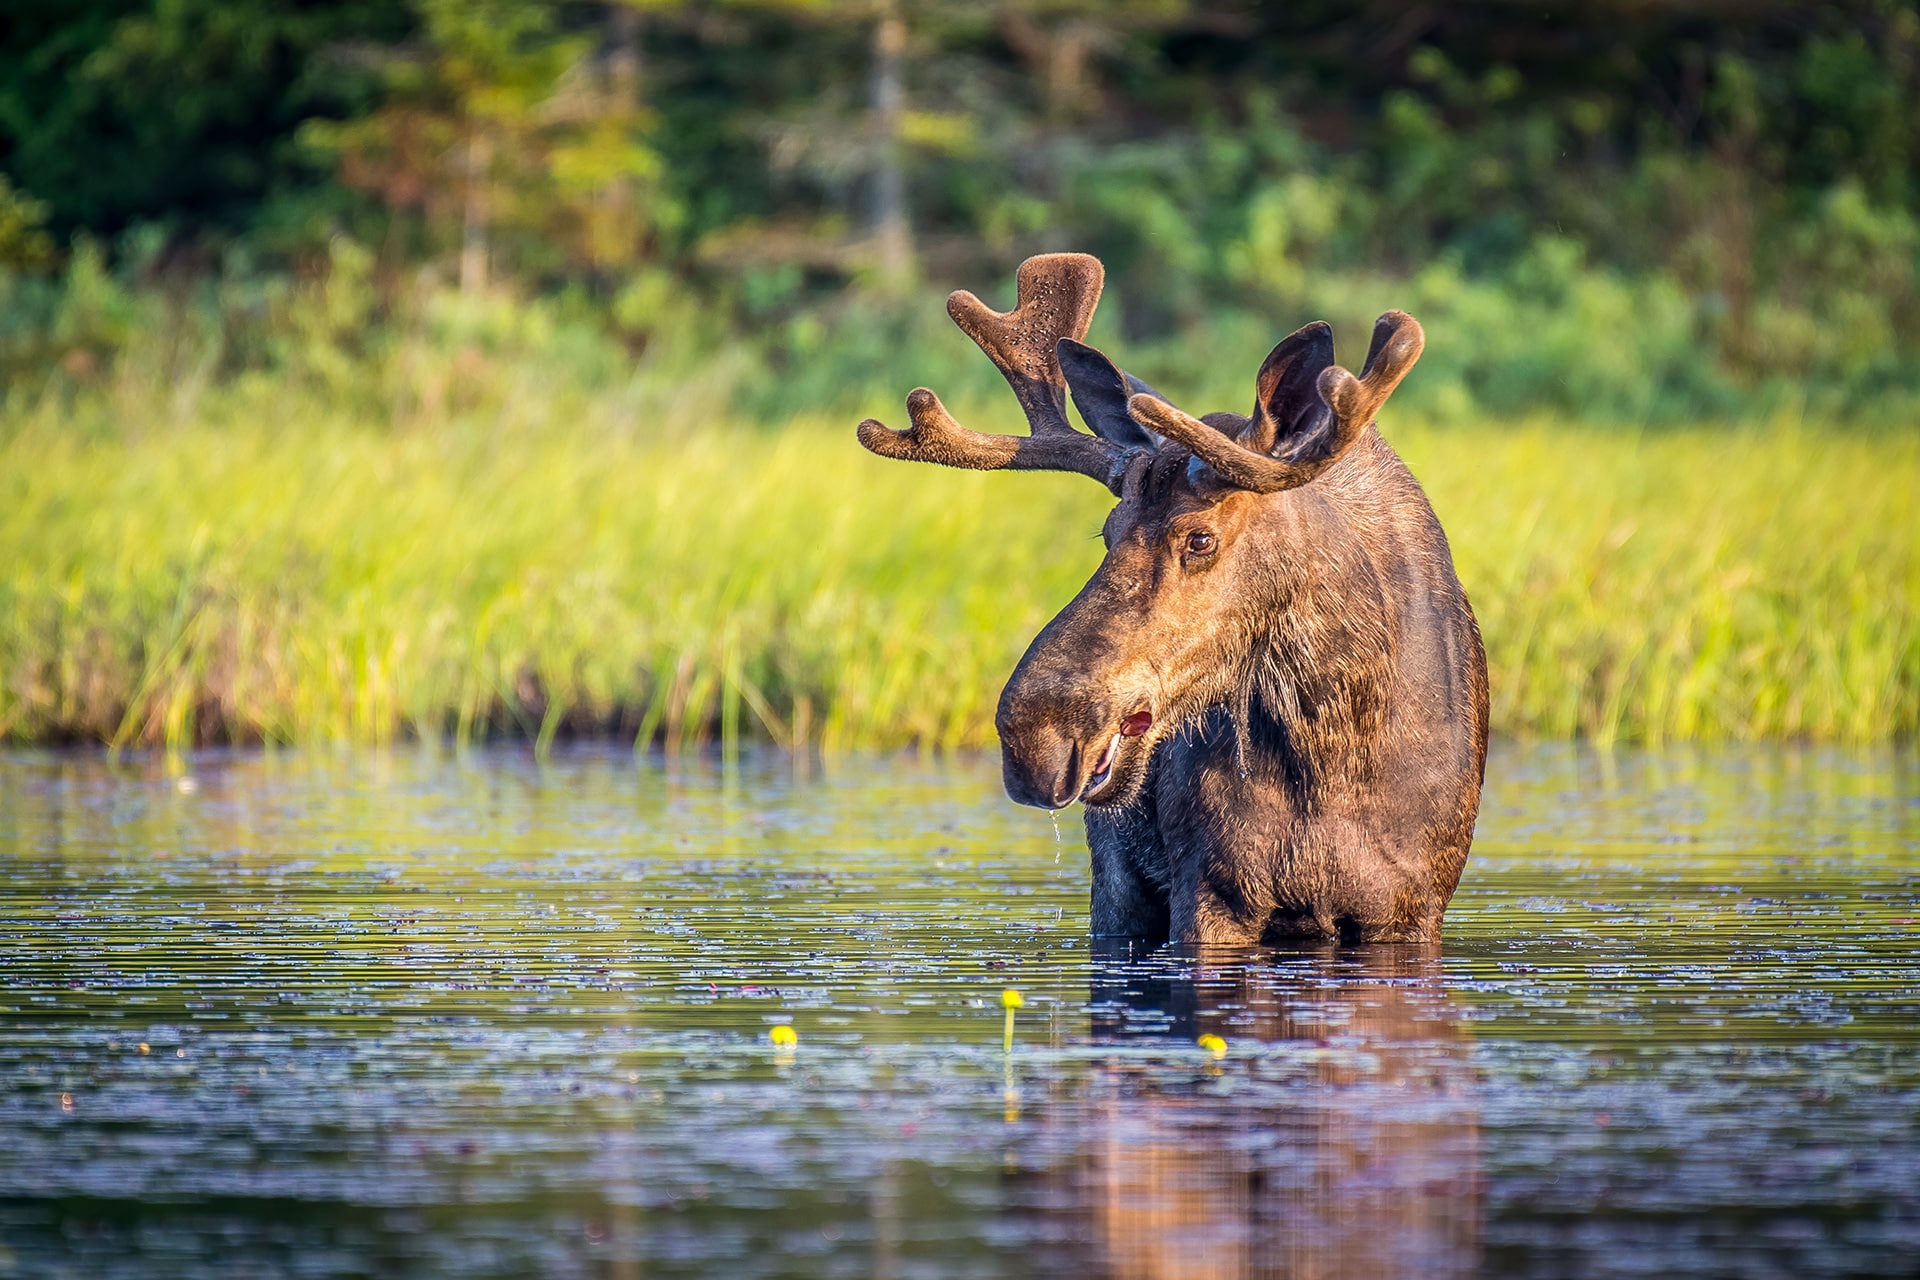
[[262, 566]]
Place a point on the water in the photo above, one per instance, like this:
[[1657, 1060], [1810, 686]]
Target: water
[[409, 1015]]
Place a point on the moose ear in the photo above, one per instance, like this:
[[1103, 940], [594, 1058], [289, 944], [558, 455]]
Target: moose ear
[[1100, 391], [1290, 419]]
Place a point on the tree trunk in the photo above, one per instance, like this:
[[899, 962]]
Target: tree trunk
[[473, 230], [893, 235], [616, 240], [623, 57]]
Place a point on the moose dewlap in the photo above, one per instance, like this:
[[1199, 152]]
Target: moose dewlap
[[1271, 697]]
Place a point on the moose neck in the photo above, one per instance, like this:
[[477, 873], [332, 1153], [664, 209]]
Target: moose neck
[[1313, 697]]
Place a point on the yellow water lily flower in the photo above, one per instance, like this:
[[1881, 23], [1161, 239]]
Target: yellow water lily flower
[[1009, 1000]]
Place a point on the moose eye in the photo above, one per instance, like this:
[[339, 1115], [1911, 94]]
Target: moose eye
[[1201, 543]]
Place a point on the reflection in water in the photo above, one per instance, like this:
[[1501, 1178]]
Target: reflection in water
[[1349, 1148]]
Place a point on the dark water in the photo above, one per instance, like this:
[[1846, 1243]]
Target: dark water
[[410, 1015]]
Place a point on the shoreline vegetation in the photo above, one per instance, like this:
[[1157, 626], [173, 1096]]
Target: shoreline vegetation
[[458, 369], [276, 560]]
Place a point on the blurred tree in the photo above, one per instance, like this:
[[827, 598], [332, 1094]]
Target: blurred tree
[[24, 243], [1759, 162], [1058, 40], [868, 142], [115, 111], [504, 134]]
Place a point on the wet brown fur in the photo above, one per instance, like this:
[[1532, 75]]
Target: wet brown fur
[[1320, 727], [1316, 680]]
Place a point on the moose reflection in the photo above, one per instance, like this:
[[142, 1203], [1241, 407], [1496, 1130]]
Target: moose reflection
[[1348, 1148]]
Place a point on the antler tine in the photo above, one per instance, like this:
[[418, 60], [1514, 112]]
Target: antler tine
[[1054, 298], [1055, 295], [1397, 343]]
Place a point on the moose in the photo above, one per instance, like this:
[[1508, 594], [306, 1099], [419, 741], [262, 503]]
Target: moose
[[1271, 696]]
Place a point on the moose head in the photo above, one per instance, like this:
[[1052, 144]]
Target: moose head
[[1210, 567]]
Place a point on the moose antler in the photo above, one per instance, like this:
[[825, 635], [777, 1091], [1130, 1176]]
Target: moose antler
[[1397, 343], [1055, 295]]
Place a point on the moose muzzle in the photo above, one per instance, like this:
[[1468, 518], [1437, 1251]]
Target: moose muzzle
[[1058, 746], [1043, 766]]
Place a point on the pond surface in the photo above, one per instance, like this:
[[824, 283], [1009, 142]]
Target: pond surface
[[416, 1015]]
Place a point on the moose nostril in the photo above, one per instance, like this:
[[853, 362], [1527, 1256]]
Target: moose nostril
[[1064, 788]]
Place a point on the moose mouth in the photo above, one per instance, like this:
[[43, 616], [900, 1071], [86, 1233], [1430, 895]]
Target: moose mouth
[[1133, 726]]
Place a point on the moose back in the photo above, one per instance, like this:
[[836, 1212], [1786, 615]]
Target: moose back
[[1271, 697]]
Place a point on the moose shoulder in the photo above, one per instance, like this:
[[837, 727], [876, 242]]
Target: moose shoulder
[[1271, 697]]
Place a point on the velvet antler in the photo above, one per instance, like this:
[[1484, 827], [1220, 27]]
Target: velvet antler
[[1055, 295], [1350, 402]]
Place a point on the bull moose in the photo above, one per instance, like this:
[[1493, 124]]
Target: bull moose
[[1271, 697]]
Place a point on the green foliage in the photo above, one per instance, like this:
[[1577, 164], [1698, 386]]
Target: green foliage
[[496, 138], [538, 544], [24, 243], [1671, 217], [175, 111]]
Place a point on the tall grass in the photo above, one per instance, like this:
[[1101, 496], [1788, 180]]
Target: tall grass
[[258, 566]]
